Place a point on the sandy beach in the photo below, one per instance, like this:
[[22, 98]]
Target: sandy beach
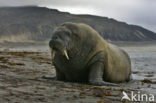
[[22, 69]]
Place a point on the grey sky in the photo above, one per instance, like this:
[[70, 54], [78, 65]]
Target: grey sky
[[139, 12]]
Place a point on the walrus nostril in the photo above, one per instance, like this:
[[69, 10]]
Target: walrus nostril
[[52, 42]]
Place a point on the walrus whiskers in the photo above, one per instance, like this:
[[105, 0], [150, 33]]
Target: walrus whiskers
[[66, 54]]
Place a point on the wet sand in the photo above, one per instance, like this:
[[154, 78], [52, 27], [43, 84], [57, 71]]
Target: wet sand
[[21, 82]]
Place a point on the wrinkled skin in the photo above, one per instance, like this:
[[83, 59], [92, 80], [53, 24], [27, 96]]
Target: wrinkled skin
[[88, 58]]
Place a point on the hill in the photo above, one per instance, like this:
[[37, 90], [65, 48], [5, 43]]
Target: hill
[[32, 23]]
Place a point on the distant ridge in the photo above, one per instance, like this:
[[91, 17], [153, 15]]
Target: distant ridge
[[32, 23]]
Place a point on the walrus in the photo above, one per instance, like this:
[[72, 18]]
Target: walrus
[[80, 54]]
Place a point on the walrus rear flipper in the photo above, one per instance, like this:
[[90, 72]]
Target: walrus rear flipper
[[129, 78]]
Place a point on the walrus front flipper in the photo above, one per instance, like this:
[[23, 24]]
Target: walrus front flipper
[[49, 78], [96, 74], [108, 84], [102, 83], [59, 76]]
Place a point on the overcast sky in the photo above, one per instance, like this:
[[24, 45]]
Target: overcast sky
[[138, 12]]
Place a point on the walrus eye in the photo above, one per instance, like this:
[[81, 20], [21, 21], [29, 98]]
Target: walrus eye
[[56, 38]]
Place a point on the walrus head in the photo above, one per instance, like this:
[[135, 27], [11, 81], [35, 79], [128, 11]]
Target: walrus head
[[59, 42]]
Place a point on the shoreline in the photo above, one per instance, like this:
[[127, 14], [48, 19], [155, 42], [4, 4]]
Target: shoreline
[[127, 46]]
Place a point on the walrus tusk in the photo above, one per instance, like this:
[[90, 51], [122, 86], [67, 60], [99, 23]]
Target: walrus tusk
[[65, 53], [53, 52]]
